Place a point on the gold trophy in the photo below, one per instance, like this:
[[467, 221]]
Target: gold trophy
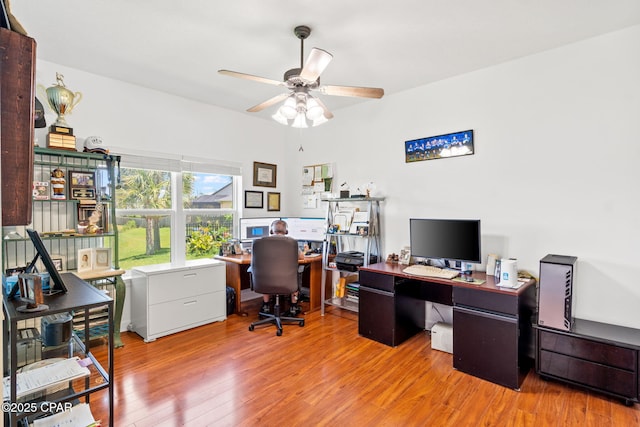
[[61, 100]]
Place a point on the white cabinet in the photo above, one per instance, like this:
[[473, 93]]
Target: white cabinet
[[167, 299]]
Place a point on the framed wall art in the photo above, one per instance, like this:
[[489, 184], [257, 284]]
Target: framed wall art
[[439, 147], [253, 199], [264, 174], [82, 185], [273, 201]]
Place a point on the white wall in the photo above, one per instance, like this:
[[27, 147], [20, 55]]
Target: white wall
[[554, 169], [129, 117]]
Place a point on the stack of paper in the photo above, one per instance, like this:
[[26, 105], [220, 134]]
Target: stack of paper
[[79, 415], [43, 377]]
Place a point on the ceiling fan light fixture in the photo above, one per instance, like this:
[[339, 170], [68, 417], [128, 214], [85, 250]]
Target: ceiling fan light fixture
[[300, 122], [288, 109], [314, 110], [280, 118], [320, 120]]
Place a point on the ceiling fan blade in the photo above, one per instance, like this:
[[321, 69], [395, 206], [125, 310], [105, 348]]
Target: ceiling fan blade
[[362, 92], [250, 77], [328, 114], [317, 61], [268, 103]]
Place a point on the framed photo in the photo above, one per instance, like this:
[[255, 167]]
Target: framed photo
[[237, 249], [264, 174], [91, 218], [58, 262], [273, 201], [439, 147], [102, 258], [40, 190], [253, 199], [82, 185], [405, 256], [85, 260]]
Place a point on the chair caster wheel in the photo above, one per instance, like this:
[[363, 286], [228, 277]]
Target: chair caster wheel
[[251, 327], [301, 323], [279, 332]]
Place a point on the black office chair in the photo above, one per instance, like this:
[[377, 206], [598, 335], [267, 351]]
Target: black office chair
[[274, 271]]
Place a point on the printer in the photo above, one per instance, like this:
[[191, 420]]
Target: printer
[[351, 260]]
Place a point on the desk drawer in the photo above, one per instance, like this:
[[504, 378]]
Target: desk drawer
[[383, 282], [181, 314], [597, 352], [484, 300], [613, 380], [172, 285]]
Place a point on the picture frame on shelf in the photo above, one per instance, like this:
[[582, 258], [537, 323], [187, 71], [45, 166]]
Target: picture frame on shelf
[[58, 262], [264, 174], [40, 190], [102, 259], [253, 199], [91, 218], [85, 260], [82, 185], [273, 201]]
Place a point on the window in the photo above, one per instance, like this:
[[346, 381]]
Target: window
[[172, 210]]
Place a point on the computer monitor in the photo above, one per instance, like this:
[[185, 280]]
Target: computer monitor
[[254, 228], [56, 284], [306, 229], [445, 239]]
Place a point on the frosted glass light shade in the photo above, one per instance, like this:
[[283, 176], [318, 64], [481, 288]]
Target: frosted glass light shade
[[300, 121]]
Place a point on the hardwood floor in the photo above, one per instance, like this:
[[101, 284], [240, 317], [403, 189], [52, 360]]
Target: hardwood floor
[[325, 374]]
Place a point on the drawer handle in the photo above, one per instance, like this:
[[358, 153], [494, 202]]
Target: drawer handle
[[186, 276], [190, 302]]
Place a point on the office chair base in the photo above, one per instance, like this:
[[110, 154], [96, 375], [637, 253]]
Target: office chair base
[[277, 320]]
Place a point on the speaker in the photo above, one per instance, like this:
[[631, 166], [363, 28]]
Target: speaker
[[555, 291], [56, 329]]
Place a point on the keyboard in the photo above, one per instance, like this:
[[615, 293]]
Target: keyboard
[[430, 271]]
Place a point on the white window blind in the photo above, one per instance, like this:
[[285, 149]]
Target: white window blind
[[174, 163]]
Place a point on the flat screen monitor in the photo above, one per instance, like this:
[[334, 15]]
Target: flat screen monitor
[[254, 228], [56, 284], [306, 229], [448, 239]]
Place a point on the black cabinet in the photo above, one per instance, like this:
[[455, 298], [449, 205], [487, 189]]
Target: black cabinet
[[597, 356], [386, 314], [492, 336]]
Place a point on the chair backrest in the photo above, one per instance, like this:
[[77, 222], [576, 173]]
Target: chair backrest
[[274, 265]]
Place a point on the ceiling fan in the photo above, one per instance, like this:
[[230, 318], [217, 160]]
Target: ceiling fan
[[299, 106]]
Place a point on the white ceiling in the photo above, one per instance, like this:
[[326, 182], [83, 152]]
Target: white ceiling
[[178, 46]]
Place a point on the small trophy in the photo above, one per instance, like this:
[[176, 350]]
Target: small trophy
[[61, 100]]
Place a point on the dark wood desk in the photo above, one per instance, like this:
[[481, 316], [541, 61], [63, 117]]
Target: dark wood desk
[[238, 277], [492, 334], [80, 298]]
